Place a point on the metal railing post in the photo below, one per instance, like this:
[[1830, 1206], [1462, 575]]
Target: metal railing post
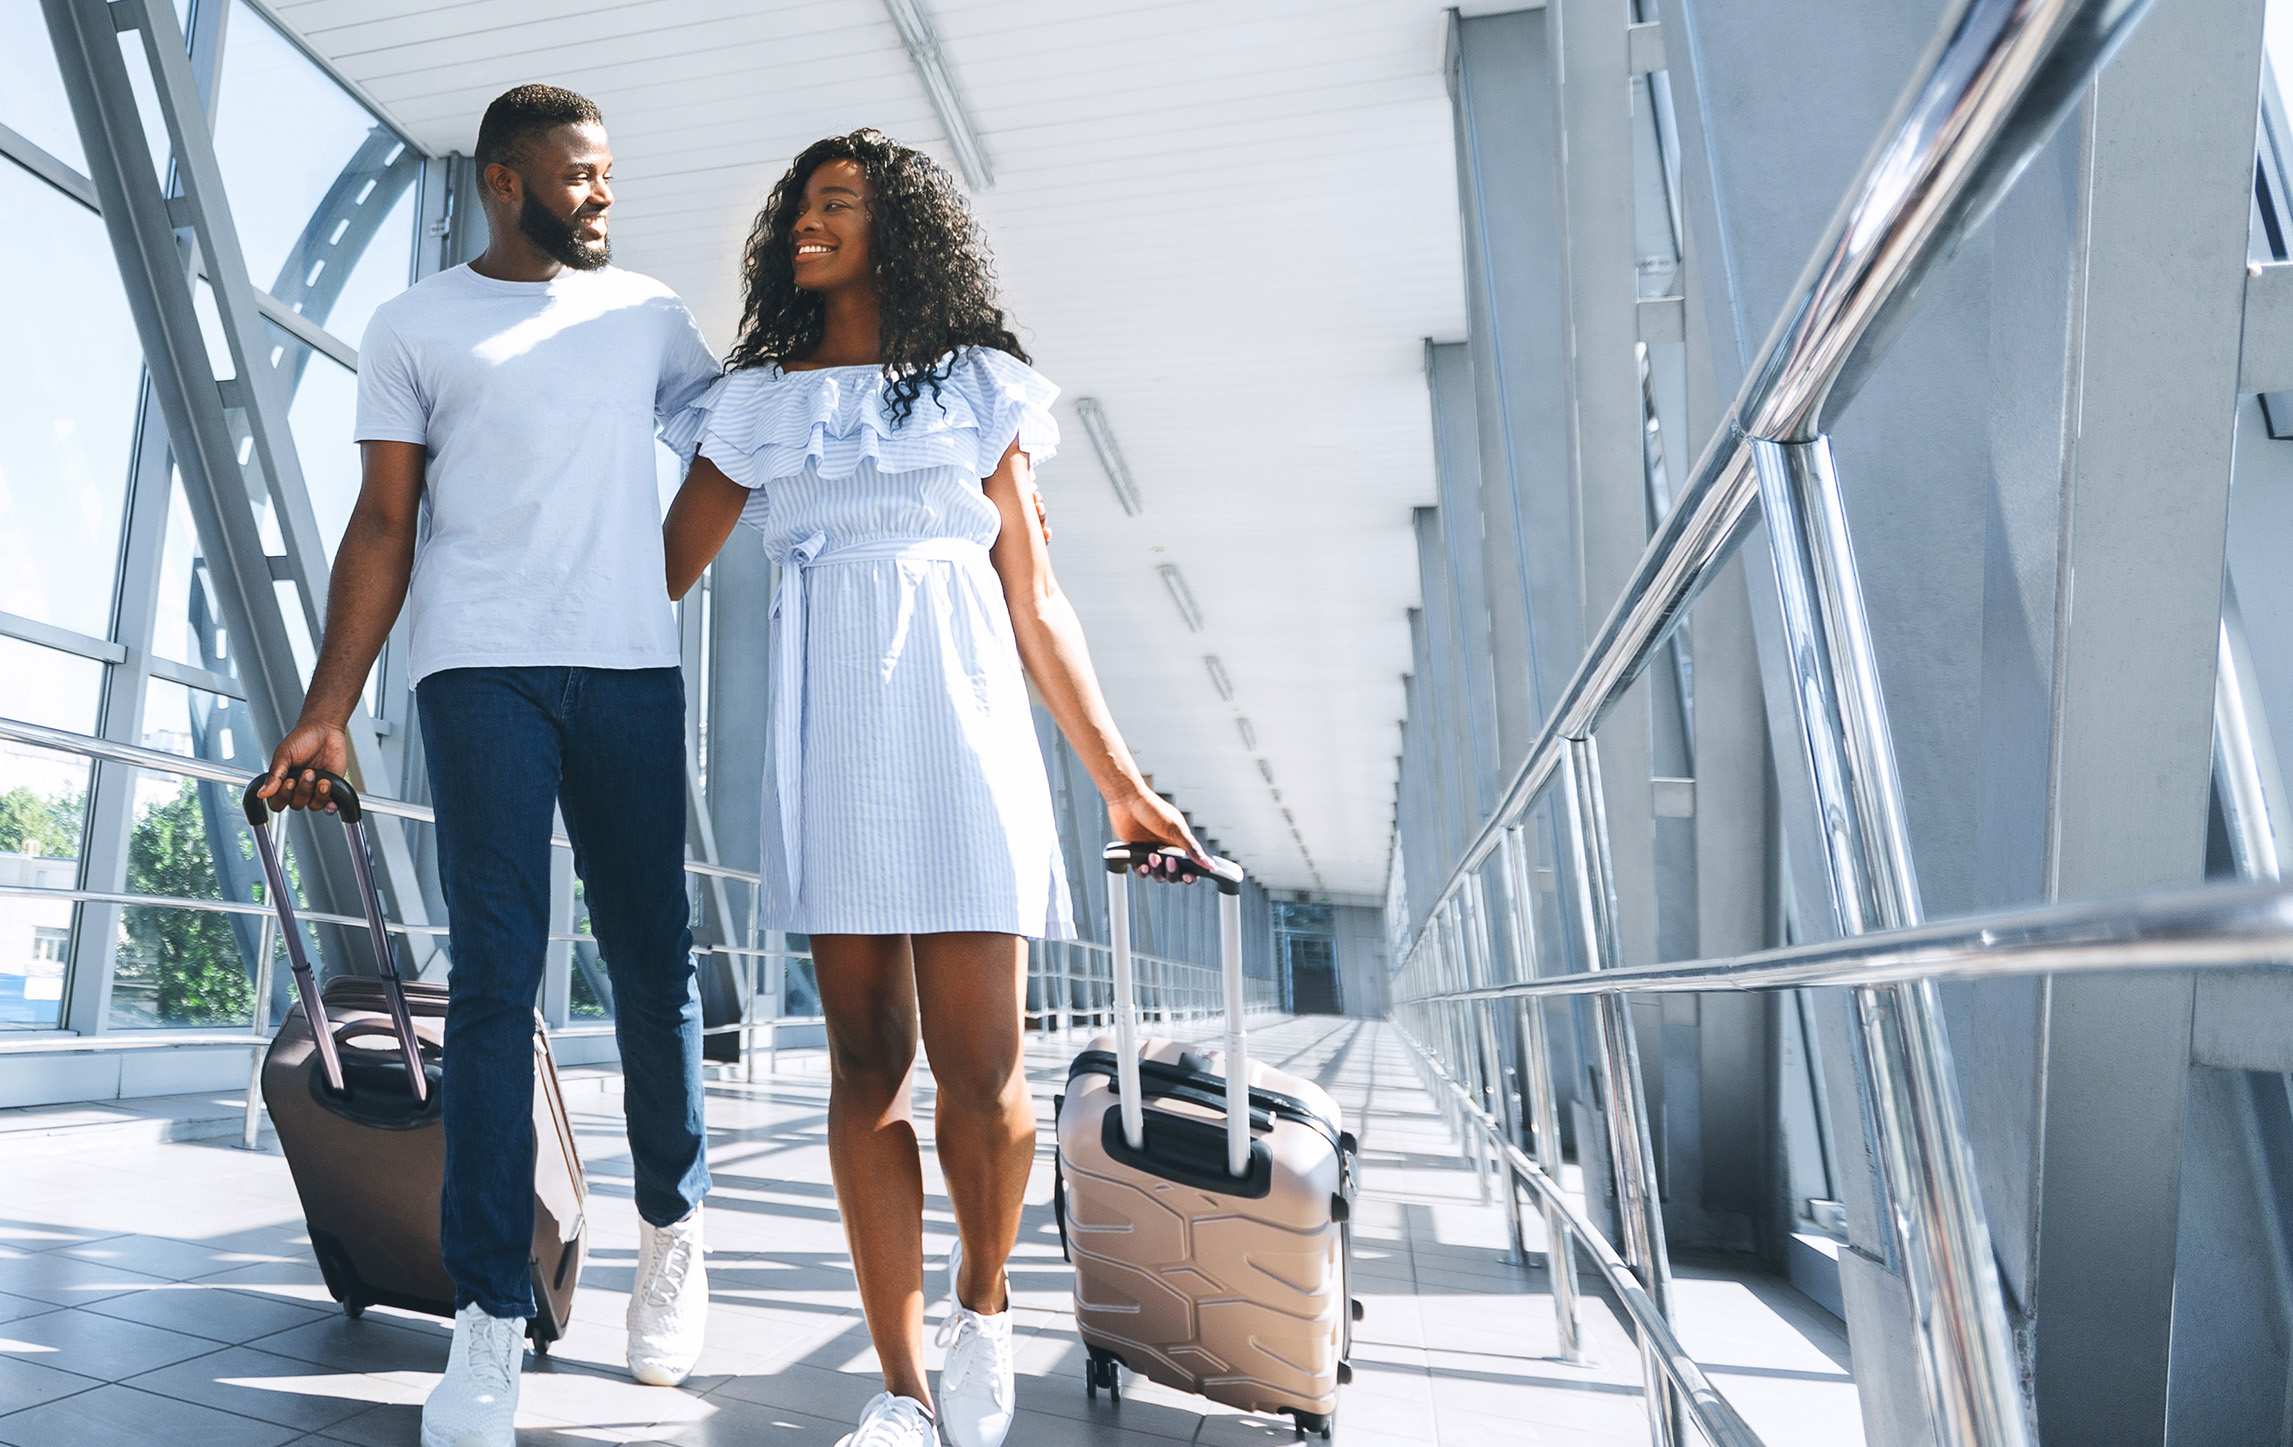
[[1543, 1110], [1507, 1103], [251, 1131], [1460, 1051], [1632, 1155], [2244, 756], [748, 1020], [1926, 1165]]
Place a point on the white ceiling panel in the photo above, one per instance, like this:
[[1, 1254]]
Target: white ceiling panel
[[1233, 222]]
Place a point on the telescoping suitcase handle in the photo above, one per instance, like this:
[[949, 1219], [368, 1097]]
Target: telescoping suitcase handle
[[1121, 858], [343, 799]]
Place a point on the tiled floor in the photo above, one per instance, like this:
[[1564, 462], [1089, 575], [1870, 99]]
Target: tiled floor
[[156, 1292]]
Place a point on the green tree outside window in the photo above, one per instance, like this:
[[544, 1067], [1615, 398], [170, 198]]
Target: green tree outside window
[[186, 961], [50, 826]]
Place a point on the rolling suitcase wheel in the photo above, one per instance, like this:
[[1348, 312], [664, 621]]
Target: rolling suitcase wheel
[[1103, 1369]]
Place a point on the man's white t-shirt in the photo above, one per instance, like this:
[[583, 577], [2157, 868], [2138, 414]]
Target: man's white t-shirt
[[537, 402]]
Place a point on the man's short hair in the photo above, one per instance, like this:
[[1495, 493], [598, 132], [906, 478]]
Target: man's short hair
[[517, 116]]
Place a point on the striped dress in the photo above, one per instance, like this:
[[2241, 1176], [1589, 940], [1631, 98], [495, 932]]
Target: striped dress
[[904, 790]]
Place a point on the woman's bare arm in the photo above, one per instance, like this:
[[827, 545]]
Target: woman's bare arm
[[1051, 646], [706, 509]]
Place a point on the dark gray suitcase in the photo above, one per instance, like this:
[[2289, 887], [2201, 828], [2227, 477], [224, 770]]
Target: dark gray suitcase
[[357, 1103]]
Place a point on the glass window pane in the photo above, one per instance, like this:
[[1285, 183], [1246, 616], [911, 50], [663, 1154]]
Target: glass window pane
[[315, 180], [32, 100], [42, 686], [43, 803], [43, 799], [591, 993], [176, 966], [189, 626], [2278, 28], [68, 381], [146, 101], [323, 417], [382, 271]]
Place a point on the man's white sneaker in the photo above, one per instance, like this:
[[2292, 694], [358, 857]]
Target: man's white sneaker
[[977, 1393], [476, 1403], [669, 1306], [891, 1422]]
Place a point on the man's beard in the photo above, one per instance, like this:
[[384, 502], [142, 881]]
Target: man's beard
[[557, 238]]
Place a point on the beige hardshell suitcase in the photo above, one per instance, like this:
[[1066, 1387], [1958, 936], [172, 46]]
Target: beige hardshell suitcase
[[358, 1111], [1209, 1237]]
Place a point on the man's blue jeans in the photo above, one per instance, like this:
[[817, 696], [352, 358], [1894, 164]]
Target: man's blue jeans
[[608, 747]]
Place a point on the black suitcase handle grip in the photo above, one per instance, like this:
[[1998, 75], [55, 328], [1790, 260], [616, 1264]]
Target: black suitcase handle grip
[[339, 793], [1122, 856]]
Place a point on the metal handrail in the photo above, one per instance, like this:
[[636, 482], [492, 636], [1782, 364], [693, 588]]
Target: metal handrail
[[1711, 1412], [1988, 92], [159, 761], [2217, 927]]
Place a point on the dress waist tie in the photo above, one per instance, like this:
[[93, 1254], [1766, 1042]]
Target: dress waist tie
[[788, 642]]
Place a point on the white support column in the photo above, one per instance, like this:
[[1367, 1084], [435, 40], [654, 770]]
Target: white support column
[[2165, 189]]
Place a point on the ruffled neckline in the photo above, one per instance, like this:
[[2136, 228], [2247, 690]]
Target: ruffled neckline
[[765, 423]]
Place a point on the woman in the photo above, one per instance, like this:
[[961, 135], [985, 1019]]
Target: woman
[[880, 426]]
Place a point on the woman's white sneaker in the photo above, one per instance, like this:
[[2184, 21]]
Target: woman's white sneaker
[[476, 1403], [669, 1306], [977, 1392], [891, 1422]]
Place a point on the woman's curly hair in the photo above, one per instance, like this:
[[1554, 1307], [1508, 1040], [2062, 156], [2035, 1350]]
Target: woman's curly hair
[[934, 280]]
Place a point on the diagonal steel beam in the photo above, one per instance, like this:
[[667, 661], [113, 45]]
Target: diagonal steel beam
[[156, 232]]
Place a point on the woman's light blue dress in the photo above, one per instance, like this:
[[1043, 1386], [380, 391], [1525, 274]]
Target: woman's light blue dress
[[904, 791]]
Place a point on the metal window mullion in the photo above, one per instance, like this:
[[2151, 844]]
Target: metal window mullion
[[50, 168], [1968, 1365], [143, 223], [135, 617], [111, 799]]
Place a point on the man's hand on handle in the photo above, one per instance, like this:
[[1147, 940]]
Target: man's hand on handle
[[295, 764], [1143, 816]]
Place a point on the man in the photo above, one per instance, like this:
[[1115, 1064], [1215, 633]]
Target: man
[[506, 413]]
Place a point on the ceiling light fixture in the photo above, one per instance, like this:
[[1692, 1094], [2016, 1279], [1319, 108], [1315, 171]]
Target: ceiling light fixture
[[1182, 595], [1265, 771], [923, 49], [1249, 734], [1218, 679], [1110, 456]]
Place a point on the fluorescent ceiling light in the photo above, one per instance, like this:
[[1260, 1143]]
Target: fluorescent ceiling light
[[947, 102], [1218, 679], [1249, 734], [1182, 595], [1110, 456]]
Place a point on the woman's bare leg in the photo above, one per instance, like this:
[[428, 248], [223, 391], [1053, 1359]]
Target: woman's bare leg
[[868, 993], [972, 988]]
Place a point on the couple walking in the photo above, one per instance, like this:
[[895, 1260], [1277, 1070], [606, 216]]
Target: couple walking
[[878, 423]]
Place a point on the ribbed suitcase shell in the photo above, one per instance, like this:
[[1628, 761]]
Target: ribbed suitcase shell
[[370, 1187], [1242, 1301]]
